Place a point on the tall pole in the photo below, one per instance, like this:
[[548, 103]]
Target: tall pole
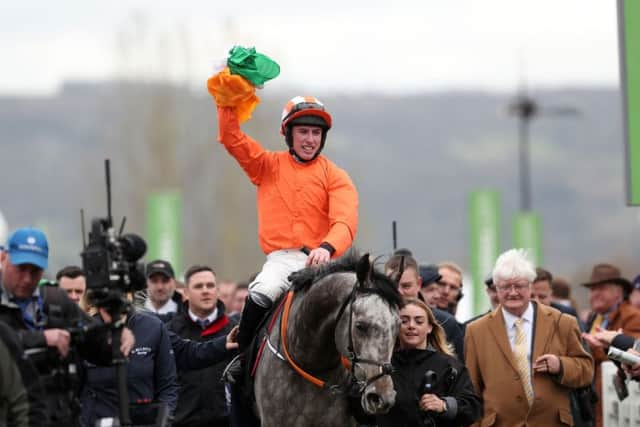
[[525, 173], [394, 235], [527, 225], [526, 109]]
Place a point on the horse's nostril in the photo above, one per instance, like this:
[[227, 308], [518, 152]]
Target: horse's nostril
[[374, 400]]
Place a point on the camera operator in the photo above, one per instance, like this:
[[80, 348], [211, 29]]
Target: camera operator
[[151, 375], [42, 317]]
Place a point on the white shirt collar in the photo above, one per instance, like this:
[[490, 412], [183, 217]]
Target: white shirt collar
[[510, 319], [210, 318]]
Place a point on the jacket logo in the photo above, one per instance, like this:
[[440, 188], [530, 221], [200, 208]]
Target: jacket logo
[[141, 351]]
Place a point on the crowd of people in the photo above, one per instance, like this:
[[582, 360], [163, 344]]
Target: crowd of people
[[524, 360], [529, 360]]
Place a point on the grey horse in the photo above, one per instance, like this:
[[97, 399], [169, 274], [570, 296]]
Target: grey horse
[[345, 309]]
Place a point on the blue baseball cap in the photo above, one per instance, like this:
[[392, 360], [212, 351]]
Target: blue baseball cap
[[636, 283], [28, 246]]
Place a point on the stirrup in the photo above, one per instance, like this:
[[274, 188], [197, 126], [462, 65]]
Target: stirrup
[[233, 371]]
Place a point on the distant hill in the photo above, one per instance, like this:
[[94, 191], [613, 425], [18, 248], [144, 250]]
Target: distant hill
[[413, 158]]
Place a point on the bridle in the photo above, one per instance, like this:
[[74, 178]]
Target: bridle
[[352, 356], [352, 385]]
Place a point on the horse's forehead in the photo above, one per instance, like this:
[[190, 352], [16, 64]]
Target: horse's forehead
[[376, 309]]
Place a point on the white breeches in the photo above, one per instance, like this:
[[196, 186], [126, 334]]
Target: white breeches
[[273, 281]]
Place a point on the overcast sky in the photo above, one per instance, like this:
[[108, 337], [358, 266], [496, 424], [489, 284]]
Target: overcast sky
[[333, 45]]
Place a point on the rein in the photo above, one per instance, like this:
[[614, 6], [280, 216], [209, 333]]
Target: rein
[[349, 361]]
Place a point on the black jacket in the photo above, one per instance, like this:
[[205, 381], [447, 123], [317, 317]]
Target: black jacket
[[22, 395], [202, 395], [452, 329], [198, 355], [451, 383], [151, 376]]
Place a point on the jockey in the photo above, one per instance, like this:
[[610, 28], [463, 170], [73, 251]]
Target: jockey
[[307, 206]]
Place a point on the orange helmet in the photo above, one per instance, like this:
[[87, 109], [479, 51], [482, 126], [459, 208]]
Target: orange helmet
[[305, 110]]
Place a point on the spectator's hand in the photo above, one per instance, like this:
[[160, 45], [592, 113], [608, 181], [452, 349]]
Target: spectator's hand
[[592, 340], [232, 336], [318, 256], [127, 341], [104, 314], [606, 336], [547, 363], [58, 338], [431, 402], [632, 370]]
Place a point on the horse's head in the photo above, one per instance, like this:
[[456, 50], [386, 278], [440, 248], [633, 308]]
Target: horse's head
[[367, 332]]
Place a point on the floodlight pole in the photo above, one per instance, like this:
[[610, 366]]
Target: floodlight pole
[[526, 109]]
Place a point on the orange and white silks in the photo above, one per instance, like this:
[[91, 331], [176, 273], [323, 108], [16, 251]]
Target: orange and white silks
[[231, 90], [298, 204]]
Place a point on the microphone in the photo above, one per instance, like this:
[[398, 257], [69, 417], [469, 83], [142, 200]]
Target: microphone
[[623, 356], [429, 382], [133, 247]]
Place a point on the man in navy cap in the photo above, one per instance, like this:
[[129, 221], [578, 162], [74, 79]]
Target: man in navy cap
[[162, 298], [42, 316], [430, 290]]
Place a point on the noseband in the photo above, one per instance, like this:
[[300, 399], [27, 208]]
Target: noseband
[[350, 360]]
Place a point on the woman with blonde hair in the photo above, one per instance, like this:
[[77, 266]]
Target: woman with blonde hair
[[433, 388]]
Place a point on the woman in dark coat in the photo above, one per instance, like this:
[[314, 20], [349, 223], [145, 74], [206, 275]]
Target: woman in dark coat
[[433, 388]]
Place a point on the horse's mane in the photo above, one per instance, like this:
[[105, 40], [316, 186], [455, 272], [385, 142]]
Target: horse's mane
[[379, 283]]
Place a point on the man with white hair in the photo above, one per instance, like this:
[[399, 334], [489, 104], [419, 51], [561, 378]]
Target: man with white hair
[[524, 358]]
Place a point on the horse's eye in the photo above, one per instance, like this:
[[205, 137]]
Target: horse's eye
[[362, 327]]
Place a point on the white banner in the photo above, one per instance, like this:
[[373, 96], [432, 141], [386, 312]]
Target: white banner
[[4, 230]]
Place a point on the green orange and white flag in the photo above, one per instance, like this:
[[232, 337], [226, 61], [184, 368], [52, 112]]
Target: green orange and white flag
[[234, 85]]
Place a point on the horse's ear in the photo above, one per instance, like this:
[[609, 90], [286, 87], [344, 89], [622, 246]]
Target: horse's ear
[[363, 269]]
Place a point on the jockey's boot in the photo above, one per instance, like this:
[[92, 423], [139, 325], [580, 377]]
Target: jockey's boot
[[252, 315]]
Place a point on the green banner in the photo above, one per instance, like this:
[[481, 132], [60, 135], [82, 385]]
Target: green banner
[[527, 234], [164, 228], [484, 242], [629, 47]]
